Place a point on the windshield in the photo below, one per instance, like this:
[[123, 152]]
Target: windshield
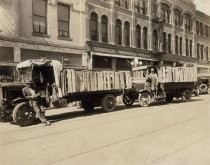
[[25, 74]]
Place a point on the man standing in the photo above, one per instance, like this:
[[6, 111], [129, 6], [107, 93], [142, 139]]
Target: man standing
[[30, 93]]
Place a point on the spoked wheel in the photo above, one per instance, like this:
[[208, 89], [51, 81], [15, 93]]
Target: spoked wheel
[[88, 106], [144, 99], [108, 103], [23, 114], [127, 100], [5, 116], [186, 95]]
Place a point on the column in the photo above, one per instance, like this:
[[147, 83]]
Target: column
[[114, 62], [17, 54]]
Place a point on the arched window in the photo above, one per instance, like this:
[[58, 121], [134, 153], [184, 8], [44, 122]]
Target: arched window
[[138, 36], [145, 37], [180, 45], [176, 45], [165, 12], [164, 42], [94, 27], [127, 33], [198, 51], [177, 17], [201, 52], [190, 48], [104, 28], [188, 22], [169, 43], [187, 48], [155, 40], [118, 32]]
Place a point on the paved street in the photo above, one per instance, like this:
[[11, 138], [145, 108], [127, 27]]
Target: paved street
[[163, 134]]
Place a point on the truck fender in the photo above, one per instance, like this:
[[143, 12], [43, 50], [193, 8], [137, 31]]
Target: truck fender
[[19, 100]]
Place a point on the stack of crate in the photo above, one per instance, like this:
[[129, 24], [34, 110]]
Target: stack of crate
[[80, 81], [177, 74]]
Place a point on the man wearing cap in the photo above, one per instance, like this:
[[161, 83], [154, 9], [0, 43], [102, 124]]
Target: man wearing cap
[[30, 93]]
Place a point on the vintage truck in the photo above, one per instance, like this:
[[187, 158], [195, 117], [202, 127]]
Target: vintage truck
[[91, 88], [174, 82]]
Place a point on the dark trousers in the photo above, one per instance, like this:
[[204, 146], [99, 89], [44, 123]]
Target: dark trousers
[[38, 111]]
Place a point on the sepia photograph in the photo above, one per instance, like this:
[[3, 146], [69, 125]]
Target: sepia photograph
[[104, 82]]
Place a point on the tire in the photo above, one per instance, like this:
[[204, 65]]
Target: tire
[[108, 103], [144, 99], [127, 100], [203, 88], [88, 106], [186, 95], [169, 98], [23, 114], [5, 116]]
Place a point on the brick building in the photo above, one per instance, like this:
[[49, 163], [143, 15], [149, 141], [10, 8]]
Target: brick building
[[104, 34]]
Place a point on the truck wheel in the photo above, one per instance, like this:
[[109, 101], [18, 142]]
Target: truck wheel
[[208, 90], [144, 99], [169, 98], [87, 106], [5, 116], [203, 88], [127, 100], [108, 103], [23, 114], [186, 95]]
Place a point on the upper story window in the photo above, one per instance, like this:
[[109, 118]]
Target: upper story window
[[198, 51], [122, 3], [187, 48], [94, 27], [190, 48], [40, 16], [206, 30], [197, 27], [177, 18], [176, 44], [169, 43], [104, 28], [180, 45], [201, 28], [202, 52], [63, 20], [188, 22], [140, 6], [145, 46], [207, 53], [118, 32], [127, 33], [155, 40], [138, 36], [165, 12]]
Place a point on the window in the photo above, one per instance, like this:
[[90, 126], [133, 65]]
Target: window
[[190, 48], [202, 52], [63, 20], [188, 22], [198, 51], [122, 3], [127, 33], [207, 53], [197, 27], [40, 16], [177, 17], [180, 46], [154, 10], [207, 31], [118, 32], [140, 6], [165, 12], [104, 29], [187, 48], [155, 40], [94, 27], [201, 28], [145, 37], [169, 43], [176, 45], [138, 36], [164, 42]]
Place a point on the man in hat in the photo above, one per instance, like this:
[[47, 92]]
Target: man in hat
[[30, 93]]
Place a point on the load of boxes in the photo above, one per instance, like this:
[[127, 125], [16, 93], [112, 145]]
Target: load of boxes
[[86, 81], [177, 74]]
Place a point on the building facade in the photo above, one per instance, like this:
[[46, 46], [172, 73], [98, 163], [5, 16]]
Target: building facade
[[104, 34]]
